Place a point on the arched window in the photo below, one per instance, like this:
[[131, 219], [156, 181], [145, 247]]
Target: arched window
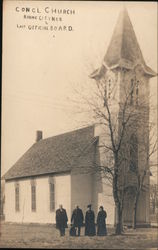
[[133, 153], [52, 193], [134, 92], [17, 197], [33, 195]]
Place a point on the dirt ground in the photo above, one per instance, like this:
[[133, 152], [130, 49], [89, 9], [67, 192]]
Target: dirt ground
[[46, 236]]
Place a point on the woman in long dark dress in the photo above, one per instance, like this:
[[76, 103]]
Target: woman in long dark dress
[[90, 222], [101, 222]]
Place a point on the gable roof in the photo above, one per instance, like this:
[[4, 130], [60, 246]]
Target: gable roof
[[124, 50], [56, 154]]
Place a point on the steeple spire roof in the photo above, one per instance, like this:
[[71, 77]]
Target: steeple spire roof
[[123, 43], [123, 50]]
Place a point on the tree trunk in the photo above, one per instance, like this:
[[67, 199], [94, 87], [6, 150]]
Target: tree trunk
[[119, 224], [134, 224]]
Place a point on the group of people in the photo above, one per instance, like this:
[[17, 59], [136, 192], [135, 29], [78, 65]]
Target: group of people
[[77, 220]]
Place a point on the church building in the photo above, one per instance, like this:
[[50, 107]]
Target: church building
[[61, 169]]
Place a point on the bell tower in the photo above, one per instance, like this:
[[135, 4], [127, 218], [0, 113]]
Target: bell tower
[[126, 76]]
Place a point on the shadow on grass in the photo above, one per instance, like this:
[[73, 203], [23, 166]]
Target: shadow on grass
[[123, 234]]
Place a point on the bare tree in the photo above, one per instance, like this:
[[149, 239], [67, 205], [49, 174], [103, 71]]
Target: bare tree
[[122, 111], [153, 199], [141, 186]]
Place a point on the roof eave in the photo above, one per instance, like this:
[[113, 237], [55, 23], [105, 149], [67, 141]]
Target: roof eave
[[98, 73], [148, 71], [95, 75], [36, 175], [123, 63]]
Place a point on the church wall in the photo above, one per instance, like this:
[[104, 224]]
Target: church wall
[[42, 213], [81, 191], [102, 189], [106, 200], [122, 80], [102, 193], [144, 150], [142, 131]]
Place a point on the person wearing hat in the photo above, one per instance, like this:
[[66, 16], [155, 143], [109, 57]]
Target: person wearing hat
[[90, 222], [101, 222], [77, 218]]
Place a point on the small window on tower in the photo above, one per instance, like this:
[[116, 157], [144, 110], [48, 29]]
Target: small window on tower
[[131, 91], [105, 96], [109, 88], [137, 92]]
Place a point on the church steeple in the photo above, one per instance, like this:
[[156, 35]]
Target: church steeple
[[123, 81], [123, 50], [123, 47]]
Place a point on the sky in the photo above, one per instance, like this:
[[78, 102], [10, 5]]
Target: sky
[[42, 69]]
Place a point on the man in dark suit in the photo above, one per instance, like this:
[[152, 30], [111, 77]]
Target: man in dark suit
[[61, 220], [77, 218]]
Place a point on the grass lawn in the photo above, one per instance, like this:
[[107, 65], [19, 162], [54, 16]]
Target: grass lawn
[[46, 236]]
